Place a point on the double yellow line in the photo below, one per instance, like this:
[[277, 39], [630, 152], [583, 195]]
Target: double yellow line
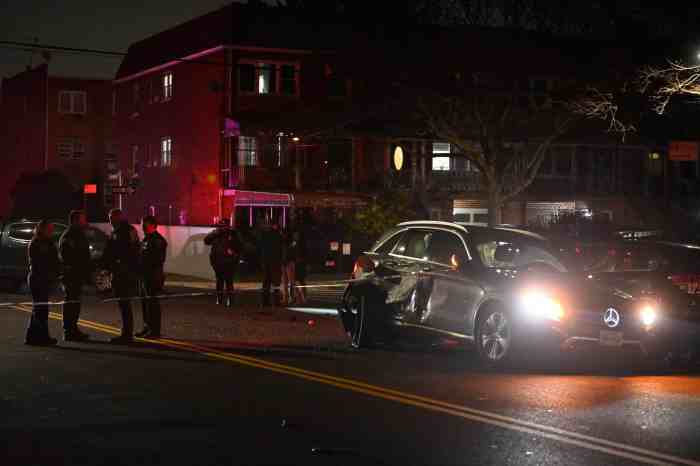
[[609, 447]]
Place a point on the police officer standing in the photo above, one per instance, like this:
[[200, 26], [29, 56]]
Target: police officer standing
[[271, 252], [75, 256], [121, 258], [224, 257], [43, 272], [153, 250]]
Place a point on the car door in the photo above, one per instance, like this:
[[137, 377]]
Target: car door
[[453, 291], [403, 266]]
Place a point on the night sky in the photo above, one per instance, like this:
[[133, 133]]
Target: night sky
[[114, 25], [82, 24]]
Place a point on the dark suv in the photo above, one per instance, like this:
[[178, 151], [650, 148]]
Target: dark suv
[[501, 288]]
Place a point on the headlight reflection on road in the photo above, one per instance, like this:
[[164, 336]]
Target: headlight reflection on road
[[540, 305], [648, 315]]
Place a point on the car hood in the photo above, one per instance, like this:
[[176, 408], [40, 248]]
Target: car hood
[[574, 291]]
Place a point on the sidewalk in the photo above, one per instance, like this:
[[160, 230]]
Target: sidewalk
[[246, 283]]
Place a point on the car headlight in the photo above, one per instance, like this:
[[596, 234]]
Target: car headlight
[[648, 315], [540, 305]]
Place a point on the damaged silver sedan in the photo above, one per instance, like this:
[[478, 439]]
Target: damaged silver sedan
[[503, 289]]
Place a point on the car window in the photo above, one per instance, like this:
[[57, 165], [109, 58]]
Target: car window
[[413, 243], [25, 231], [21, 231], [525, 254], [387, 245], [443, 245]]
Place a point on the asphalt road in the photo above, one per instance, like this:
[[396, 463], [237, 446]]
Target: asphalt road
[[261, 386]]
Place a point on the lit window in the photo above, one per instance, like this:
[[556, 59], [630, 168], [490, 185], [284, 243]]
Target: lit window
[[441, 162], [167, 86], [70, 148], [166, 152], [268, 78], [72, 102], [247, 152]]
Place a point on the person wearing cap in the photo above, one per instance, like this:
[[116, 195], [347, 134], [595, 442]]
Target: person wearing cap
[[121, 258], [74, 250], [153, 253], [224, 257]]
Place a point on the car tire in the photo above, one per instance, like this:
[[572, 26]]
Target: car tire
[[494, 337]]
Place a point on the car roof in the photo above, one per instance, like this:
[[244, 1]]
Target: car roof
[[468, 228]]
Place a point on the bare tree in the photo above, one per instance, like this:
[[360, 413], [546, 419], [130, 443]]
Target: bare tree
[[507, 133], [663, 84]]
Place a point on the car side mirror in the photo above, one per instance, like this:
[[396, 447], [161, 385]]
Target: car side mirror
[[505, 253]]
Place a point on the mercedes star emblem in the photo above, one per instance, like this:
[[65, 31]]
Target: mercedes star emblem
[[611, 317]]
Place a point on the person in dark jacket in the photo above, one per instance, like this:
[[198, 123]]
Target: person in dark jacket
[[77, 267], [121, 258], [271, 255], [153, 253], [43, 273], [224, 257]]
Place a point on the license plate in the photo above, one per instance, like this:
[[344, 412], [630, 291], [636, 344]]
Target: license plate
[[608, 338]]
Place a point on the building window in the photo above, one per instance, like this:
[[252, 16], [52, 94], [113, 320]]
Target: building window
[[71, 148], [441, 157], [247, 152], [166, 152], [268, 78], [167, 86], [72, 102]]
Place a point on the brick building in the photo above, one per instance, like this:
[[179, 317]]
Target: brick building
[[54, 123], [247, 111]]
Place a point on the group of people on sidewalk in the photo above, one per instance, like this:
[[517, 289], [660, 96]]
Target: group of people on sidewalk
[[283, 260], [136, 269]]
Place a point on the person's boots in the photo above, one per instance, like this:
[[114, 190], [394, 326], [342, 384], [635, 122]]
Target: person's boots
[[219, 298], [229, 300]]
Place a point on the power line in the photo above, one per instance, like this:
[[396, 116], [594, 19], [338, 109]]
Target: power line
[[32, 46]]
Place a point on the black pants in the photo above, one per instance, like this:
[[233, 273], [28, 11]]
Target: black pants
[[271, 273], [38, 328], [224, 278], [71, 311], [125, 287], [152, 286]]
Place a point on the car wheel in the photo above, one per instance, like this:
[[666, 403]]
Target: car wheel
[[494, 337]]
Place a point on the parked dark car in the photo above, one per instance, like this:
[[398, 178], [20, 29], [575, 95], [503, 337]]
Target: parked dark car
[[667, 271], [504, 289], [15, 235]]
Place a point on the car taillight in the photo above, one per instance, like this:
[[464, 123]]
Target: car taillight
[[690, 283]]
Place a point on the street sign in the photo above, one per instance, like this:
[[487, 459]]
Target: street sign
[[90, 189], [683, 151], [123, 190]]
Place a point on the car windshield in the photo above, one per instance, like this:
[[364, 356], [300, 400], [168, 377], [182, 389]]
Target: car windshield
[[514, 253]]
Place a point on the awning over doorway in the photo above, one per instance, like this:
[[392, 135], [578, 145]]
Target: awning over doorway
[[335, 200], [243, 198]]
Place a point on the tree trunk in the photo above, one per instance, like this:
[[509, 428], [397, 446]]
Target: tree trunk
[[494, 206]]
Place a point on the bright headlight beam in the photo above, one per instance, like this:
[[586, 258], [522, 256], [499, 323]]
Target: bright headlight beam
[[648, 315], [539, 304]]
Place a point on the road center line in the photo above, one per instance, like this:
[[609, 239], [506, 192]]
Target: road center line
[[573, 438]]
